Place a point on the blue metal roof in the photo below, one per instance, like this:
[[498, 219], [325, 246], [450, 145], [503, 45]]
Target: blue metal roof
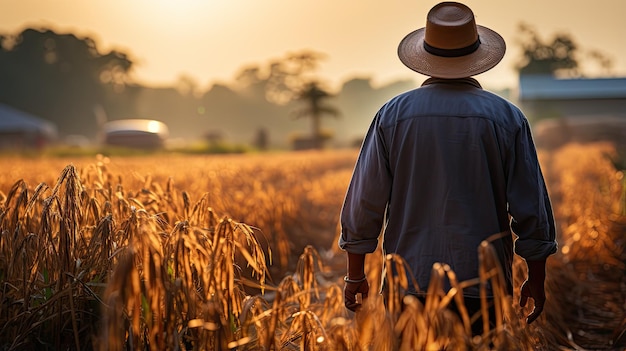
[[546, 87]]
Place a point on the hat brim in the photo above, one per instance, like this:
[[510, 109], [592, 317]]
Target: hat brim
[[489, 53]]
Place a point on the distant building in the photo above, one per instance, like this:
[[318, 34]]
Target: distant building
[[135, 133], [543, 96], [21, 130], [579, 110]]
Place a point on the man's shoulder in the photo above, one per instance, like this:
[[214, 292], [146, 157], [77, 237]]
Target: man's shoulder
[[442, 100], [441, 95]]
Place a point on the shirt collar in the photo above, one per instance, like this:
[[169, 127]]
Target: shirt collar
[[470, 81]]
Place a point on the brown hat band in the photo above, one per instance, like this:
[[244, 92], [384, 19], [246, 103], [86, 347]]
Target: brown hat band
[[452, 52]]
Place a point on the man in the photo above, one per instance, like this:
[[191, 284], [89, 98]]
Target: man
[[447, 166]]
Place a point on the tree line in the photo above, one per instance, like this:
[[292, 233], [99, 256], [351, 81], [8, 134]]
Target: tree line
[[69, 81]]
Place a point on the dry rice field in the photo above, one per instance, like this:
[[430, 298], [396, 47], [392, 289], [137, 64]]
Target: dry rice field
[[174, 252]]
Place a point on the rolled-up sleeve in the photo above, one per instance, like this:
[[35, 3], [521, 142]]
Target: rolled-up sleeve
[[532, 219], [364, 207]]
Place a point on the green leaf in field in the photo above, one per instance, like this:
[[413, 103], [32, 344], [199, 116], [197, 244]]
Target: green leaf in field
[[145, 306]]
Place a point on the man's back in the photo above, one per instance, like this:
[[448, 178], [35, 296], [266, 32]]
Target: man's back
[[450, 162], [447, 145]]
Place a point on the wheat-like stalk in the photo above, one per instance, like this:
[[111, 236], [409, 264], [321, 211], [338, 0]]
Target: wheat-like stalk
[[224, 253]]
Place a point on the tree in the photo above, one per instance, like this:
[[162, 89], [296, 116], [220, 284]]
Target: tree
[[559, 57], [283, 79], [59, 77], [291, 75], [314, 96], [292, 79]]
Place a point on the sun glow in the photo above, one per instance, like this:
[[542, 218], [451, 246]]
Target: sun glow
[[164, 12]]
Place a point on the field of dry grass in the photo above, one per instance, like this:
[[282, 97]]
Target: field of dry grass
[[239, 252]]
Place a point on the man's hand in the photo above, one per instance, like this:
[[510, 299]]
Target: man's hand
[[533, 287], [356, 282], [537, 294], [351, 290]]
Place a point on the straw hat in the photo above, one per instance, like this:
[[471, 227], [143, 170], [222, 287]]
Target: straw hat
[[451, 45]]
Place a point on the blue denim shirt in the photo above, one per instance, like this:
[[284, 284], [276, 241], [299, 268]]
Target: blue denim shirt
[[443, 168]]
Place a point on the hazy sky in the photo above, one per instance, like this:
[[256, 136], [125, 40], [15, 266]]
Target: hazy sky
[[210, 40]]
